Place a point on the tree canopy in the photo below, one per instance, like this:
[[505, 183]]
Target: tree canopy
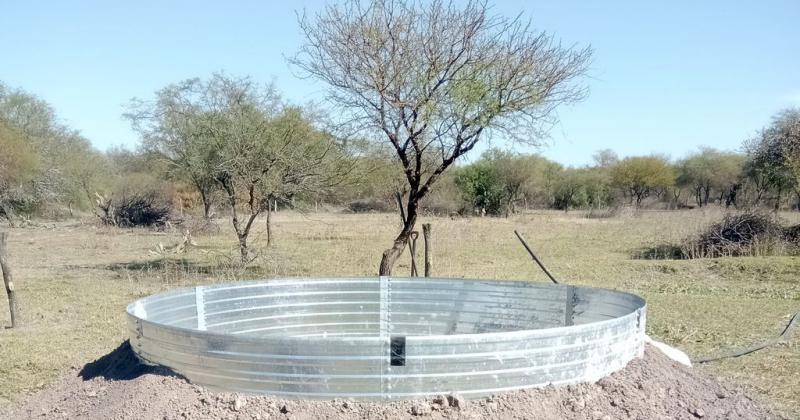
[[432, 79], [241, 137], [642, 176]]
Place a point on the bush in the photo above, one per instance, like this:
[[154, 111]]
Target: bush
[[370, 205], [481, 186], [16, 202]]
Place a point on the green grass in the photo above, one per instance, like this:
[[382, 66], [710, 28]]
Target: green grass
[[74, 282]]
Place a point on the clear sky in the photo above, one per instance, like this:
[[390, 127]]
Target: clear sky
[[667, 77]]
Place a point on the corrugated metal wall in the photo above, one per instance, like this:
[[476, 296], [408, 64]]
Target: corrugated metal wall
[[387, 338]]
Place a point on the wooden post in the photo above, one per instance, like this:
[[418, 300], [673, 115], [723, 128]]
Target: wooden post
[[535, 258], [269, 222], [7, 279], [412, 247], [426, 233]]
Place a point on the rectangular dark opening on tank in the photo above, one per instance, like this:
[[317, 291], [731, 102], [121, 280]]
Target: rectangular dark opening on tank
[[398, 351]]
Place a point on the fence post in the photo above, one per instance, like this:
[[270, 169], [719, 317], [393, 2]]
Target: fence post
[[426, 233], [7, 278]]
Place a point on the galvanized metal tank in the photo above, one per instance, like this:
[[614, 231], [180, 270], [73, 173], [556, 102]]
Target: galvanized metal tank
[[387, 337]]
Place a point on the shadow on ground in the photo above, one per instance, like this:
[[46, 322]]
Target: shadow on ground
[[120, 365], [161, 264], [660, 252], [185, 266]]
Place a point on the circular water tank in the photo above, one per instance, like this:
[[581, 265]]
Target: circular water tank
[[387, 337]]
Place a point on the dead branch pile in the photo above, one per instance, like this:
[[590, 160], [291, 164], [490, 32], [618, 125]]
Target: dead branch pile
[[179, 248], [141, 210], [137, 210], [792, 235], [745, 234]]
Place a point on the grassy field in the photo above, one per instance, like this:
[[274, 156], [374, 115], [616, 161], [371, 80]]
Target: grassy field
[[74, 281]]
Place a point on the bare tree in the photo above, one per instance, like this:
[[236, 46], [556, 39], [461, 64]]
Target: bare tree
[[435, 78], [605, 158], [774, 157]]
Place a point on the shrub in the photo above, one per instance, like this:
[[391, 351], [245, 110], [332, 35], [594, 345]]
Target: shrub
[[17, 202], [481, 186], [369, 205]]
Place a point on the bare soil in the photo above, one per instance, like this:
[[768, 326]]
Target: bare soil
[[116, 386]]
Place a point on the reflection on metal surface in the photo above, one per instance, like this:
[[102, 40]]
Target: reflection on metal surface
[[389, 337]]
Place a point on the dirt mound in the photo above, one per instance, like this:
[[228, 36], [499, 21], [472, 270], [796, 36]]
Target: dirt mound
[[653, 387]]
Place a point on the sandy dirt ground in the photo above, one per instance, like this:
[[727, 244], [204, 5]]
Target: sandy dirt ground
[[116, 386]]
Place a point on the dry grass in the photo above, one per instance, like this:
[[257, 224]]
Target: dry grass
[[75, 280]]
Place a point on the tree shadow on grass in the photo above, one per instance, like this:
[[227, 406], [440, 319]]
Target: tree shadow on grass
[[121, 365], [660, 252], [161, 264], [184, 265]]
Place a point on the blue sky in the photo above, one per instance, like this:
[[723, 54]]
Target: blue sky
[[667, 77]]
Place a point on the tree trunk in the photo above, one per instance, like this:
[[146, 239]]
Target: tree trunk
[[203, 189], [8, 214], [391, 255], [269, 223], [676, 198], [730, 200], [399, 198], [8, 279], [206, 205], [797, 204], [241, 232], [243, 248]]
